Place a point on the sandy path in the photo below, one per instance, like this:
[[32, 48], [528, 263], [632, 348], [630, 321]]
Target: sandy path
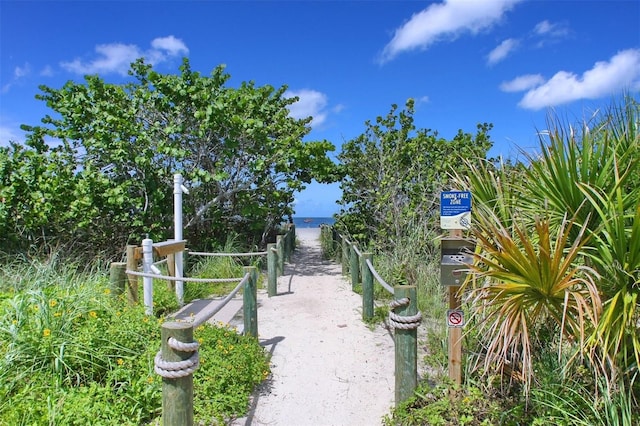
[[328, 368]]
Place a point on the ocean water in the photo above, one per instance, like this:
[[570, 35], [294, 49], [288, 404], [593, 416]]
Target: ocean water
[[312, 222]]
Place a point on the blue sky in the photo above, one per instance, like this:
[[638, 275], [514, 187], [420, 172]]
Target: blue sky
[[507, 62]]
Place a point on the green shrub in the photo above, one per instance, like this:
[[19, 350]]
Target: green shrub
[[72, 354]]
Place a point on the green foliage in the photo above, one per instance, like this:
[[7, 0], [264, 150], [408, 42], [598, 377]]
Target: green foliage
[[444, 406], [72, 354], [558, 259], [231, 366], [98, 172], [394, 173]]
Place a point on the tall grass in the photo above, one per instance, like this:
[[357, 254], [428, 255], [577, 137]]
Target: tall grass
[[72, 353]]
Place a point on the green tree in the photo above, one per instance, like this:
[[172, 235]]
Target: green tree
[[108, 181], [395, 172]]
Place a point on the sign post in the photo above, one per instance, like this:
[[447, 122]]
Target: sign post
[[455, 216]]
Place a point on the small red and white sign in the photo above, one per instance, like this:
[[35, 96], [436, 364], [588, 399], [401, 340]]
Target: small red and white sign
[[455, 318]]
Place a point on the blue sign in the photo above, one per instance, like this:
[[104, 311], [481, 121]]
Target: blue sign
[[455, 209]]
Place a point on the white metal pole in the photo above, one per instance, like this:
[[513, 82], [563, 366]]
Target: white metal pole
[[178, 188], [147, 282]]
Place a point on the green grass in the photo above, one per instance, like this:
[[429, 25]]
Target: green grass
[[72, 353]]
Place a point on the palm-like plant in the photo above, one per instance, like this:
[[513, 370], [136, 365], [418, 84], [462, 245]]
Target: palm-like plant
[[615, 343], [523, 283]]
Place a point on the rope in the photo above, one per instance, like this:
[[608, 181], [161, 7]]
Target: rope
[[379, 278], [204, 315], [400, 321], [358, 252], [198, 253], [161, 261], [184, 279], [182, 346], [177, 369]]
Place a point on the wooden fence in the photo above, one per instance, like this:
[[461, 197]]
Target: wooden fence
[[178, 358]]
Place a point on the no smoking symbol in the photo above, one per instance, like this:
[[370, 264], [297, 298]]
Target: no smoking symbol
[[455, 318]]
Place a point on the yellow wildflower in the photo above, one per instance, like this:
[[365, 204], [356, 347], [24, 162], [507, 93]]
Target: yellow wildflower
[[149, 379], [93, 314], [46, 332], [57, 314], [53, 302], [107, 291], [120, 361]]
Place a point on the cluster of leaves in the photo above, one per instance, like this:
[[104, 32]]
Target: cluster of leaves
[[558, 258], [442, 406], [554, 290], [99, 170], [394, 175], [72, 353]]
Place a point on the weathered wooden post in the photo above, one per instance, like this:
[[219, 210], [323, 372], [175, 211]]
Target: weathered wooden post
[[292, 229], [287, 243], [171, 269], [132, 265], [250, 302], [272, 270], [117, 278], [354, 266], [177, 393], [406, 343], [280, 248], [335, 237], [345, 256], [367, 287]]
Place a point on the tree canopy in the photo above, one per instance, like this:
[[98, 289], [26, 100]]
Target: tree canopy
[[99, 169], [395, 172]]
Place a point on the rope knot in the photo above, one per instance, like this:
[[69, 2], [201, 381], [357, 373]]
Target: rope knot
[[400, 321], [177, 369]]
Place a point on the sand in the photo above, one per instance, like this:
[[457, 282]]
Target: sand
[[327, 367]]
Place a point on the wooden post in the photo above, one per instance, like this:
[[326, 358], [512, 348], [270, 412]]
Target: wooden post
[[177, 394], [171, 269], [367, 288], [292, 229], [287, 243], [345, 256], [132, 265], [280, 248], [272, 270], [354, 266], [117, 278], [335, 237], [406, 342], [455, 334], [250, 302]]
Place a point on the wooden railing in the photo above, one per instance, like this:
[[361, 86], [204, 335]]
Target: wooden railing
[[178, 357]]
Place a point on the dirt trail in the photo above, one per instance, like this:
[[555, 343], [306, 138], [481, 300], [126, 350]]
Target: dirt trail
[[328, 368]]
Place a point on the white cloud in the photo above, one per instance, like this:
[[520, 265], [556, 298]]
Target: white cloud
[[445, 20], [117, 57], [524, 82], [546, 28], [174, 46], [502, 51], [311, 103], [621, 72], [10, 133], [422, 100], [20, 72], [47, 71]]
